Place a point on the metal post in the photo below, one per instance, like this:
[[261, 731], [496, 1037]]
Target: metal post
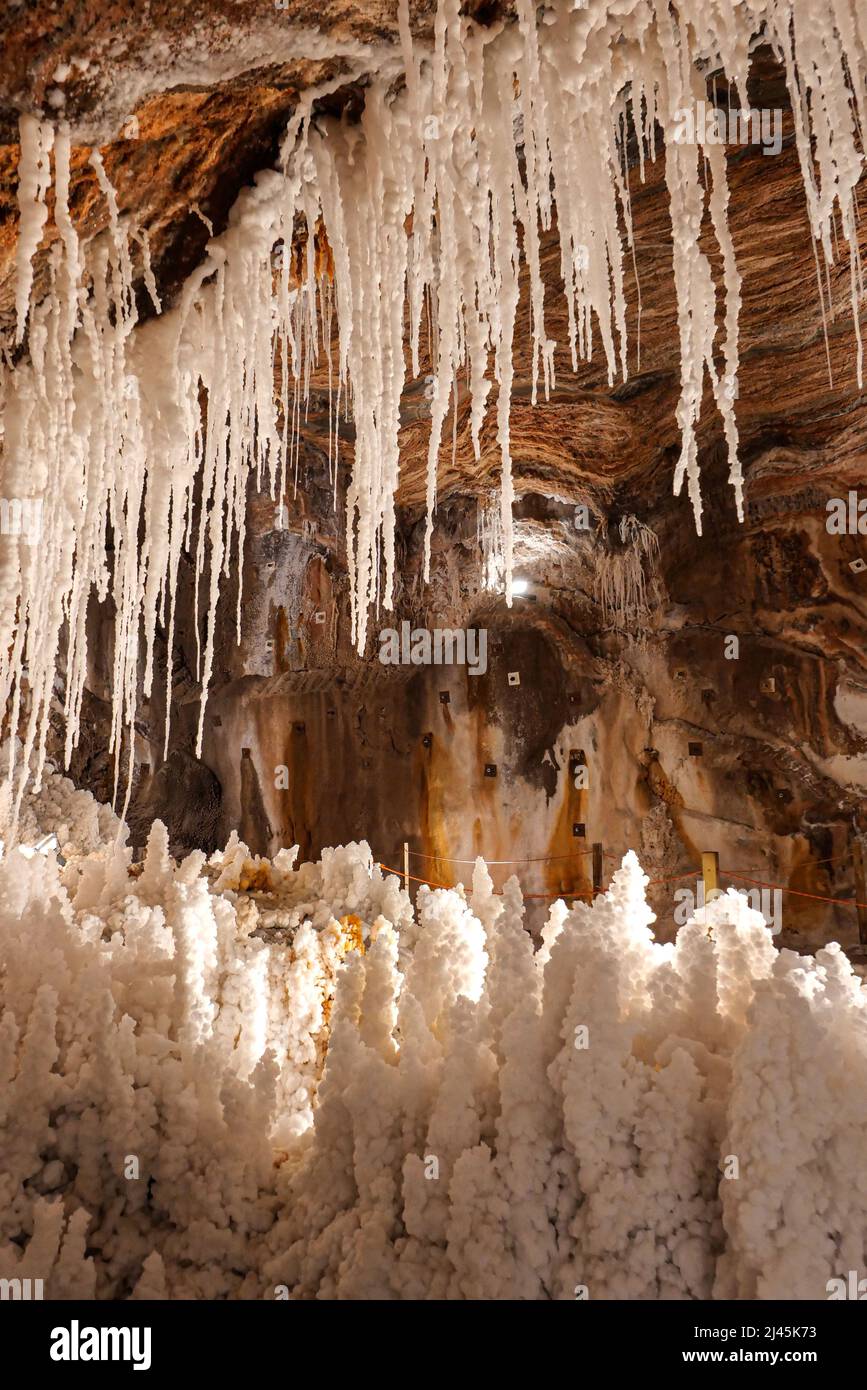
[[860, 889], [597, 869], [406, 865]]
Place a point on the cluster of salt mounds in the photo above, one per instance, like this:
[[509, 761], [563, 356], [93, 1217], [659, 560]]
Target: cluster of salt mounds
[[235, 1079]]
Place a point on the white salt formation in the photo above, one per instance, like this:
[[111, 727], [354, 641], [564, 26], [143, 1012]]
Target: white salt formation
[[438, 198], [625, 578], [78, 823], [34, 180], [242, 1080]]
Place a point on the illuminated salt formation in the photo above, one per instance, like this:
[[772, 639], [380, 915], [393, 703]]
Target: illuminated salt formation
[[239, 1079]]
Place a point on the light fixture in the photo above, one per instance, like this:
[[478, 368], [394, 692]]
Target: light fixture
[[44, 845], [520, 586]]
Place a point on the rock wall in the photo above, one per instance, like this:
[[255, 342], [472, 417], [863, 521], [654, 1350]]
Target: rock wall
[[187, 112], [728, 715]]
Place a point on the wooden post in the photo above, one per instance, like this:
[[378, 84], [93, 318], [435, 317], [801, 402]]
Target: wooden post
[[710, 874], [597, 869], [406, 865], [860, 889]]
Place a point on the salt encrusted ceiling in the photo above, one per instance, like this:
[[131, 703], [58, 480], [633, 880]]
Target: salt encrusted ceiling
[[188, 101], [212, 86]]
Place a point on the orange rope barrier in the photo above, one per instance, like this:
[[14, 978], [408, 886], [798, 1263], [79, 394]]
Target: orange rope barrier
[[815, 863], [415, 877], [673, 878], [541, 859], [566, 893], [835, 859], [797, 892], [653, 883], [759, 883]]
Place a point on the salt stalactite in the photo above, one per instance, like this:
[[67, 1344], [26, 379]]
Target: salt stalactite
[[35, 139], [365, 186], [624, 578], [489, 533], [78, 448], [432, 211]]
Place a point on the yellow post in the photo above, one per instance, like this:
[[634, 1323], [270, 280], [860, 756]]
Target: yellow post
[[710, 878], [710, 874], [406, 865]]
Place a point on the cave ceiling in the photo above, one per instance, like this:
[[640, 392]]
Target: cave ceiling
[[188, 101]]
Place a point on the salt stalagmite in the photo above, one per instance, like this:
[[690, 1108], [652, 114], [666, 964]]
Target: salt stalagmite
[[239, 1079]]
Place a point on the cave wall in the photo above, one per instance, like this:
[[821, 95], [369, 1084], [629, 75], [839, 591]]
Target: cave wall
[[371, 750], [755, 748]]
